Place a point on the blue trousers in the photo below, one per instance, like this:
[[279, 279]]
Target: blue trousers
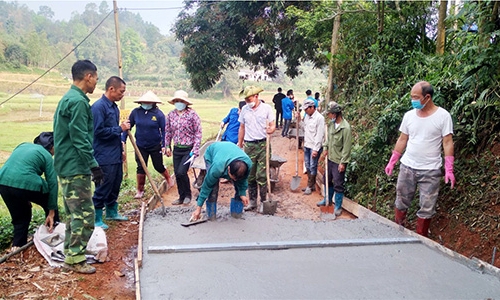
[[311, 162]]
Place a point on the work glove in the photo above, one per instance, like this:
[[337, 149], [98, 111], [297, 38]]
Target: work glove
[[392, 162], [97, 175], [448, 170]]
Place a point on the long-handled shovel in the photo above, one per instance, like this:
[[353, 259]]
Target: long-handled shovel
[[269, 206], [218, 134], [154, 200], [295, 183]]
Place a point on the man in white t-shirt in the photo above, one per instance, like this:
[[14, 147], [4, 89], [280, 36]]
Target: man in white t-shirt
[[256, 122], [423, 131]]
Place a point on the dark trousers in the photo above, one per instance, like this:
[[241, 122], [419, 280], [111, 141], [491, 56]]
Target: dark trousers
[[279, 117], [107, 193], [335, 178], [156, 158], [286, 128], [180, 156], [19, 207]]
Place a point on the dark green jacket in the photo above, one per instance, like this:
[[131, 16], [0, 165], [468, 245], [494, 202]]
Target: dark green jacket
[[218, 156], [24, 168], [73, 135]]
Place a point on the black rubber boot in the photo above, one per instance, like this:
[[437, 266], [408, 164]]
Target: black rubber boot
[[252, 195]]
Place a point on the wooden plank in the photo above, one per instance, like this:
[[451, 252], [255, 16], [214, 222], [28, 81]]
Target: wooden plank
[[140, 238], [281, 245], [137, 280]]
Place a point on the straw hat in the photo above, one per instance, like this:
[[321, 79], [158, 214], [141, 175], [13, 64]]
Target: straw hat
[[149, 97], [250, 91], [180, 95]]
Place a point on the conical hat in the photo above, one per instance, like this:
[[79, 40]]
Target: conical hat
[[149, 97]]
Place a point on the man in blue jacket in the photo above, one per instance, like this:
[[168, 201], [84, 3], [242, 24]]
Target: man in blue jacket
[[223, 160], [108, 150], [233, 125]]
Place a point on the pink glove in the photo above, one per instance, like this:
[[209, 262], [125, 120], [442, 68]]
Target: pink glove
[[392, 162], [448, 170]]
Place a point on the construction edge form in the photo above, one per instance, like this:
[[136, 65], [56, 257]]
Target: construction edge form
[[362, 213], [474, 263]]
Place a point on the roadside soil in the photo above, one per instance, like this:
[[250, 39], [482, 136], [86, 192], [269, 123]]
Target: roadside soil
[[28, 275]]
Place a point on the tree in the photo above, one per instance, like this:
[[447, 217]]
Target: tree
[[131, 50], [257, 32], [441, 28], [46, 12]]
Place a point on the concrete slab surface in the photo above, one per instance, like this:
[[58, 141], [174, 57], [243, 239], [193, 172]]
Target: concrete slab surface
[[396, 270]]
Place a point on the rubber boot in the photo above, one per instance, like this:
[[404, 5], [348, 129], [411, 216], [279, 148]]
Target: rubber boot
[[308, 178], [252, 195], [330, 197], [168, 178], [313, 183], [263, 192], [339, 197], [98, 219], [141, 181], [423, 226], [399, 216], [113, 214]]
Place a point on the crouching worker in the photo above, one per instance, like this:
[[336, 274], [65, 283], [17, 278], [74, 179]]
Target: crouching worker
[[21, 183], [223, 160]]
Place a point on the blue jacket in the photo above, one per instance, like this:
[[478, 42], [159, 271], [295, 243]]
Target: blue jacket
[[150, 130], [231, 133], [218, 157], [288, 107], [107, 132]]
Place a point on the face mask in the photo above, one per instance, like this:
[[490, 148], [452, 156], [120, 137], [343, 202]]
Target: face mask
[[180, 105], [146, 106], [416, 104], [333, 120], [251, 104]]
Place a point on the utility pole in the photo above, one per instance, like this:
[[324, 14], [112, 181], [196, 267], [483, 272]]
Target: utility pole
[[118, 47], [120, 73]]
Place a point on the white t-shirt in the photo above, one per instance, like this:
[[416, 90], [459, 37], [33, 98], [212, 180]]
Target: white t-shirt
[[425, 138], [255, 121]]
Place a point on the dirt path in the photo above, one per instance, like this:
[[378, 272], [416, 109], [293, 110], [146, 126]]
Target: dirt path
[[28, 276]]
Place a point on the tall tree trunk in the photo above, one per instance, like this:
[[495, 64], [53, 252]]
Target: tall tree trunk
[[441, 29], [333, 51], [380, 12]]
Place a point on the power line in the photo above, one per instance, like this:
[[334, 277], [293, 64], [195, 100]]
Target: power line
[[72, 50]]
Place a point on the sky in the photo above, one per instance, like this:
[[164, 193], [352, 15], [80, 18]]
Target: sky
[[162, 14]]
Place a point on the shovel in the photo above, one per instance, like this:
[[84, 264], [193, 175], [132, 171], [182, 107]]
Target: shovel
[[151, 203], [218, 134], [269, 206], [295, 183]]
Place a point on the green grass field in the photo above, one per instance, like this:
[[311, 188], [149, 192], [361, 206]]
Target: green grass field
[[24, 117]]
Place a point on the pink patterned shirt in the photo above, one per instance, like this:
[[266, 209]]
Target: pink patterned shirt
[[184, 129]]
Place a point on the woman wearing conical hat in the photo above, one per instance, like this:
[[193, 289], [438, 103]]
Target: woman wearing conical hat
[[150, 138]]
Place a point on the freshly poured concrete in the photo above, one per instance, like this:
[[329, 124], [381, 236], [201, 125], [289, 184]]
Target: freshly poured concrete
[[394, 271]]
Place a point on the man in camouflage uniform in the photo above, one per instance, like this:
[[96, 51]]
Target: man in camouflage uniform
[[256, 122], [74, 164]]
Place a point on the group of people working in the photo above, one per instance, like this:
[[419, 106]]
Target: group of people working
[[88, 145]]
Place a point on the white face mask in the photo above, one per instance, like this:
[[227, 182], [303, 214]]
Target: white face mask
[[251, 104], [180, 106]]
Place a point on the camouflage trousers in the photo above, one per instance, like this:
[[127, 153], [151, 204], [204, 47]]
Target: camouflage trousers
[[428, 187], [257, 153], [80, 216]]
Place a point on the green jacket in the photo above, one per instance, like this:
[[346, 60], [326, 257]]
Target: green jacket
[[24, 168], [218, 156], [73, 135], [339, 142]]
